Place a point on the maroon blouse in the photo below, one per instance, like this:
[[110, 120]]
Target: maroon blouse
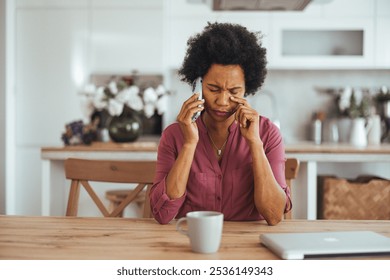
[[227, 187]]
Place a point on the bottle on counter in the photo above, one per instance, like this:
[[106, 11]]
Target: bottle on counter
[[316, 127]]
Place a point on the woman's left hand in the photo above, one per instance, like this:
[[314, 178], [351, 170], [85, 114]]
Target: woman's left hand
[[248, 119]]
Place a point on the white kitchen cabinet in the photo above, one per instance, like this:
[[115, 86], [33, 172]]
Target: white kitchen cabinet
[[51, 4], [185, 8], [383, 8], [382, 41], [345, 33], [349, 8], [323, 44], [382, 36]]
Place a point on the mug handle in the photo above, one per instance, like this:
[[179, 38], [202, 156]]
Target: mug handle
[[179, 228]]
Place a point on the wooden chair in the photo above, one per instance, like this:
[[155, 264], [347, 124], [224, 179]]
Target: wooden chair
[[291, 172], [82, 172]]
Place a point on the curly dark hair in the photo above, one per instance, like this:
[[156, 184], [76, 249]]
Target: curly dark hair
[[226, 44]]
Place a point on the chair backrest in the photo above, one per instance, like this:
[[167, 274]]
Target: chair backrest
[[82, 172], [291, 172]]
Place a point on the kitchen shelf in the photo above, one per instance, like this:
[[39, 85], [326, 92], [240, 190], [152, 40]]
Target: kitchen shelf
[[322, 42]]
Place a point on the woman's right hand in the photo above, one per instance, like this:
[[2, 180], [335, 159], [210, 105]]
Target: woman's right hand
[[184, 118]]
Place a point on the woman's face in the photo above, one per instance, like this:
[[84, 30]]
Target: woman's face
[[219, 83]]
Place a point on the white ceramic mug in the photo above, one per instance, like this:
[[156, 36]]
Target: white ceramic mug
[[204, 230]]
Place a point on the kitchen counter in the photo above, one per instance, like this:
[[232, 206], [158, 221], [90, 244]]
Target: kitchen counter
[[304, 194], [150, 144]]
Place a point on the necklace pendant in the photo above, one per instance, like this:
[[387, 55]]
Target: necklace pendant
[[219, 152]]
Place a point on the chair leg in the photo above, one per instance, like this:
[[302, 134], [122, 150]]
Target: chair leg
[[73, 200]]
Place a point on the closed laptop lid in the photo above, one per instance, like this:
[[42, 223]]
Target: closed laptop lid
[[325, 244]]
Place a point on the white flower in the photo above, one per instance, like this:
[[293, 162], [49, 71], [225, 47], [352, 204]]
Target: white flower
[[134, 90], [115, 96], [345, 99], [162, 104], [135, 102], [160, 90], [113, 87], [99, 100], [150, 95], [123, 96], [358, 96], [149, 110], [115, 108]]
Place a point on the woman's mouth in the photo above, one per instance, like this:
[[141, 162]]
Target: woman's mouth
[[221, 113]]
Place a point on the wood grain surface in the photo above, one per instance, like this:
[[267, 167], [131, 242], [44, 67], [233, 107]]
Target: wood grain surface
[[120, 238]]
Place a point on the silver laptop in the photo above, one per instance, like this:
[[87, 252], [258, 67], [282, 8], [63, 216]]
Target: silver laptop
[[326, 244]]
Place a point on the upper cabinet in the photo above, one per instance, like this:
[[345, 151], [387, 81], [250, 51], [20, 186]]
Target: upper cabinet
[[320, 43], [329, 35], [151, 36], [338, 34], [382, 39]]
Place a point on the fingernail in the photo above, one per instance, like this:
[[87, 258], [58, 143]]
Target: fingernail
[[231, 97]]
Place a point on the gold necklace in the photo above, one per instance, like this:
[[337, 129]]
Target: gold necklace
[[219, 150]]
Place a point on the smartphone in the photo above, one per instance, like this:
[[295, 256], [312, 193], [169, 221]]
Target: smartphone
[[197, 88]]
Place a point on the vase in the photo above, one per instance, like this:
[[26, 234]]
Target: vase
[[126, 127], [358, 135]]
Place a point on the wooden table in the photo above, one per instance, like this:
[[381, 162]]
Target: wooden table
[[119, 238], [304, 197]]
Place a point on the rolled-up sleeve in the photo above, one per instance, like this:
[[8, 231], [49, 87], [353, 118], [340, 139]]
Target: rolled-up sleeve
[[165, 209], [276, 157]]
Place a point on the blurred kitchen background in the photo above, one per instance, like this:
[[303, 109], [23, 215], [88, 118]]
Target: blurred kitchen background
[[49, 49]]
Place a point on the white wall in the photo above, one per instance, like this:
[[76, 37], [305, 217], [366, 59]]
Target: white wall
[[2, 106]]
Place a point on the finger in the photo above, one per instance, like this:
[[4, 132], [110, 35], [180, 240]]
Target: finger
[[243, 119], [190, 103], [190, 110], [193, 98], [239, 100], [247, 116], [239, 111], [194, 110]]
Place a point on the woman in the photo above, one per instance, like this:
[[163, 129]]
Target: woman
[[230, 159]]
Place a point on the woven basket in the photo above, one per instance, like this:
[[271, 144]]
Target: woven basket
[[366, 198]]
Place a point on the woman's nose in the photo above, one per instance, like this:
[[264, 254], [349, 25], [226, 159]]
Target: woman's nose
[[223, 98]]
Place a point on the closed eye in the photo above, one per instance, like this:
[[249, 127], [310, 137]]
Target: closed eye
[[213, 88]]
